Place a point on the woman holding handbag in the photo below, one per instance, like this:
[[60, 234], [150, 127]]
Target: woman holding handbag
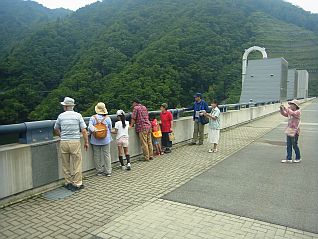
[[292, 131], [166, 119], [214, 126], [156, 134]]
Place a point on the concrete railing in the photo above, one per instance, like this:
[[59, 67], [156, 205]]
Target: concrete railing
[[41, 131], [25, 167]]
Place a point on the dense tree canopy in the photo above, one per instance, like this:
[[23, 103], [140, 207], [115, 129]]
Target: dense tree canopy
[[19, 19], [158, 51]]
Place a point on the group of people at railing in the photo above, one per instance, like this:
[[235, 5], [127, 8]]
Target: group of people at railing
[[152, 134]]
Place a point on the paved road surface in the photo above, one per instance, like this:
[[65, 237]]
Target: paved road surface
[[255, 184]]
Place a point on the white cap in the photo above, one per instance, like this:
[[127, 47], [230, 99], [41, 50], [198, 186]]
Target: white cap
[[120, 112]]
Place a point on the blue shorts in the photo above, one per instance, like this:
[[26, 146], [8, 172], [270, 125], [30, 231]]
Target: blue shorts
[[155, 141]]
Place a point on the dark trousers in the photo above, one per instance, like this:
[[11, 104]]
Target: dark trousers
[[292, 142], [165, 142]]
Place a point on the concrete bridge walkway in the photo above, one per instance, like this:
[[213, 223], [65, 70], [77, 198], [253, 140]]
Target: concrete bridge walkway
[[131, 205]]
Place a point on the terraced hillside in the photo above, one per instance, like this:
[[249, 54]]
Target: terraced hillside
[[297, 45]]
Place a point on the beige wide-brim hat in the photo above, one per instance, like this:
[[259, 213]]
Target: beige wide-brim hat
[[68, 101], [100, 108], [295, 102]]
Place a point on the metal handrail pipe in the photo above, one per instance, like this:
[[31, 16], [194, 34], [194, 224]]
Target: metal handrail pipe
[[43, 127], [13, 128]]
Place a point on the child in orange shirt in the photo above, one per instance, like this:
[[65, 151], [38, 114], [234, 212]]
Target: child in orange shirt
[[156, 133]]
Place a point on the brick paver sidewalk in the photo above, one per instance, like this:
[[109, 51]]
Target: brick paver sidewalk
[[166, 219], [128, 204]]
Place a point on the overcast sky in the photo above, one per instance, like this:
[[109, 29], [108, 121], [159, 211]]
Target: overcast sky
[[69, 4], [308, 5]]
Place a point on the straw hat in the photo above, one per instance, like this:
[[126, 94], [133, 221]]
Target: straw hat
[[295, 102], [68, 101], [100, 108]]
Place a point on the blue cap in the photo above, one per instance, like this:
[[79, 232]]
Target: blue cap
[[198, 95]]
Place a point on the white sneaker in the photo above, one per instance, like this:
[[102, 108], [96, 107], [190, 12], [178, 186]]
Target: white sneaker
[[211, 151], [284, 161], [128, 166], [215, 150], [297, 160]]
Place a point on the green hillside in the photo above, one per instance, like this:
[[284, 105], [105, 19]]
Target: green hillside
[[19, 18], [158, 51]]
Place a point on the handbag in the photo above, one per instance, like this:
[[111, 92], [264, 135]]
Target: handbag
[[171, 136], [291, 132], [204, 120], [157, 134]]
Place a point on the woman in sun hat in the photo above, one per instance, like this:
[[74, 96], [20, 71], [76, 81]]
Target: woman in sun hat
[[100, 126], [292, 131]]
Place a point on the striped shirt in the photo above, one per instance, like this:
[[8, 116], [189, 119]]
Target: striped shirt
[[70, 123], [215, 123]]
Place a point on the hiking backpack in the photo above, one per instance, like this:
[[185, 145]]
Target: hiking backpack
[[101, 129]]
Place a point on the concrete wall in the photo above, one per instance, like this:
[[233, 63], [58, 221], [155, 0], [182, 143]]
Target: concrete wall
[[24, 167], [265, 80], [302, 84], [292, 84], [15, 169]]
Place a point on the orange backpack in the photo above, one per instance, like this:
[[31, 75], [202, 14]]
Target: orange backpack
[[101, 129]]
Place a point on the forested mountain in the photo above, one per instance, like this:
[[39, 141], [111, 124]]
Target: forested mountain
[[158, 51], [19, 18]]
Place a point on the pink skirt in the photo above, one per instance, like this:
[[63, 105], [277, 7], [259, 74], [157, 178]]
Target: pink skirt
[[123, 141]]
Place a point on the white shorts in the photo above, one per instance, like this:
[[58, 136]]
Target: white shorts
[[214, 136], [123, 141]]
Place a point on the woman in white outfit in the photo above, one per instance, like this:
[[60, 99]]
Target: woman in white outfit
[[214, 126]]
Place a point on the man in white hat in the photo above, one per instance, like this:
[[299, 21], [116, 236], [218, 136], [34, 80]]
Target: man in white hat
[[69, 126]]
